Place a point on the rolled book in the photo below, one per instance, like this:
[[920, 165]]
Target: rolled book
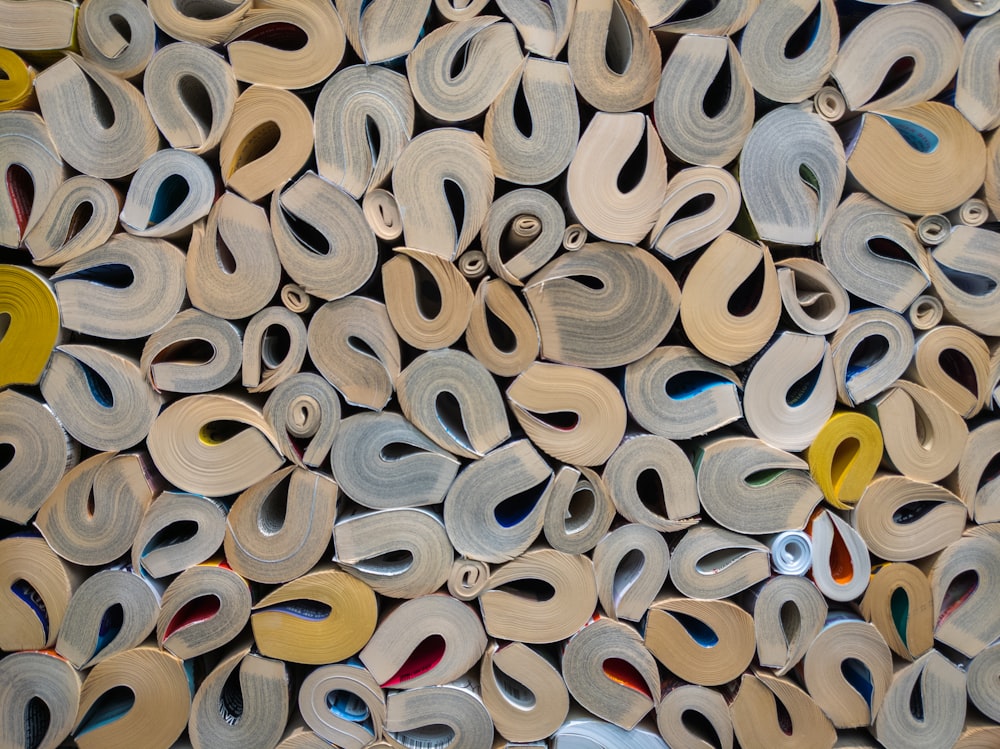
[[926, 312], [791, 552], [382, 213], [364, 119], [380, 460], [811, 295], [925, 706], [712, 563], [699, 205], [933, 229], [193, 353], [353, 345], [27, 30], [501, 333], [35, 590], [31, 325], [39, 697], [982, 676], [698, 122], [449, 716], [210, 27], [536, 154], [844, 456], [203, 608], [280, 527], [38, 454], [702, 642], [299, 737], [232, 267], [170, 191], [847, 670], [977, 482], [541, 596], [64, 231], [788, 612], [213, 444], [139, 692], [323, 616], [579, 510], [870, 351], [965, 274], [174, 82], [343, 704], [244, 699], [383, 31], [304, 413], [467, 578], [991, 188], [953, 362], [731, 303], [274, 348], [695, 716], [670, 16], [178, 531], [523, 690], [630, 565], [898, 602], [610, 673], [118, 34], [19, 86], [295, 298], [496, 506], [748, 486], [582, 731], [773, 711], [841, 562], [962, 578], [94, 512], [979, 732], [34, 172], [977, 85], [522, 232]]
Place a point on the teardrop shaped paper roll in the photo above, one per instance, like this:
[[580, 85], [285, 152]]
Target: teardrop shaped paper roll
[[175, 81], [100, 397], [788, 612], [501, 333], [400, 553], [304, 414], [647, 473], [37, 452], [748, 486], [731, 305], [193, 353], [436, 168], [579, 510], [791, 552], [382, 461], [125, 50], [811, 295], [976, 483], [266, 142], [243, 700], [383, 215], [35, 588], [922, 159], [232, 266], [982, 679], [448, 717], [841, 564], [343, 704], [847, 670], [966, 276], [977, 84], [954, 363], [711, 563], [792, 171], [382, 30], [964, 584], [112, 611], [109, 136], [213, 444], [280, 527], [699, 205], [781, 65], [565, 599], [585, 730], [452, 398], [595, 407], [703, 642], [32, 172], [613, 203], [543, 26], [169, 192], [147, 688], [938, 687], [65, 231], [674, 17], [178, 531], [630, 565], [30, 678], [535, 153], [364, 119], [791, 391], [623, 319], [204, 608], [921, 35], [901, 519], [209, 28], [676, 722], [760, 695], [468, 578], [424, 641], [481, 53], [899, 603], [522, 231], [870, 351], [19, 83], [844, 456], [677, 393], [610, 673], [354, 346], [495, 508], [274, 349], [926, 312], [29, 316], [523, 691], [694, 125], [94, 513], [258, 51], [991, 188], [613, 55]]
